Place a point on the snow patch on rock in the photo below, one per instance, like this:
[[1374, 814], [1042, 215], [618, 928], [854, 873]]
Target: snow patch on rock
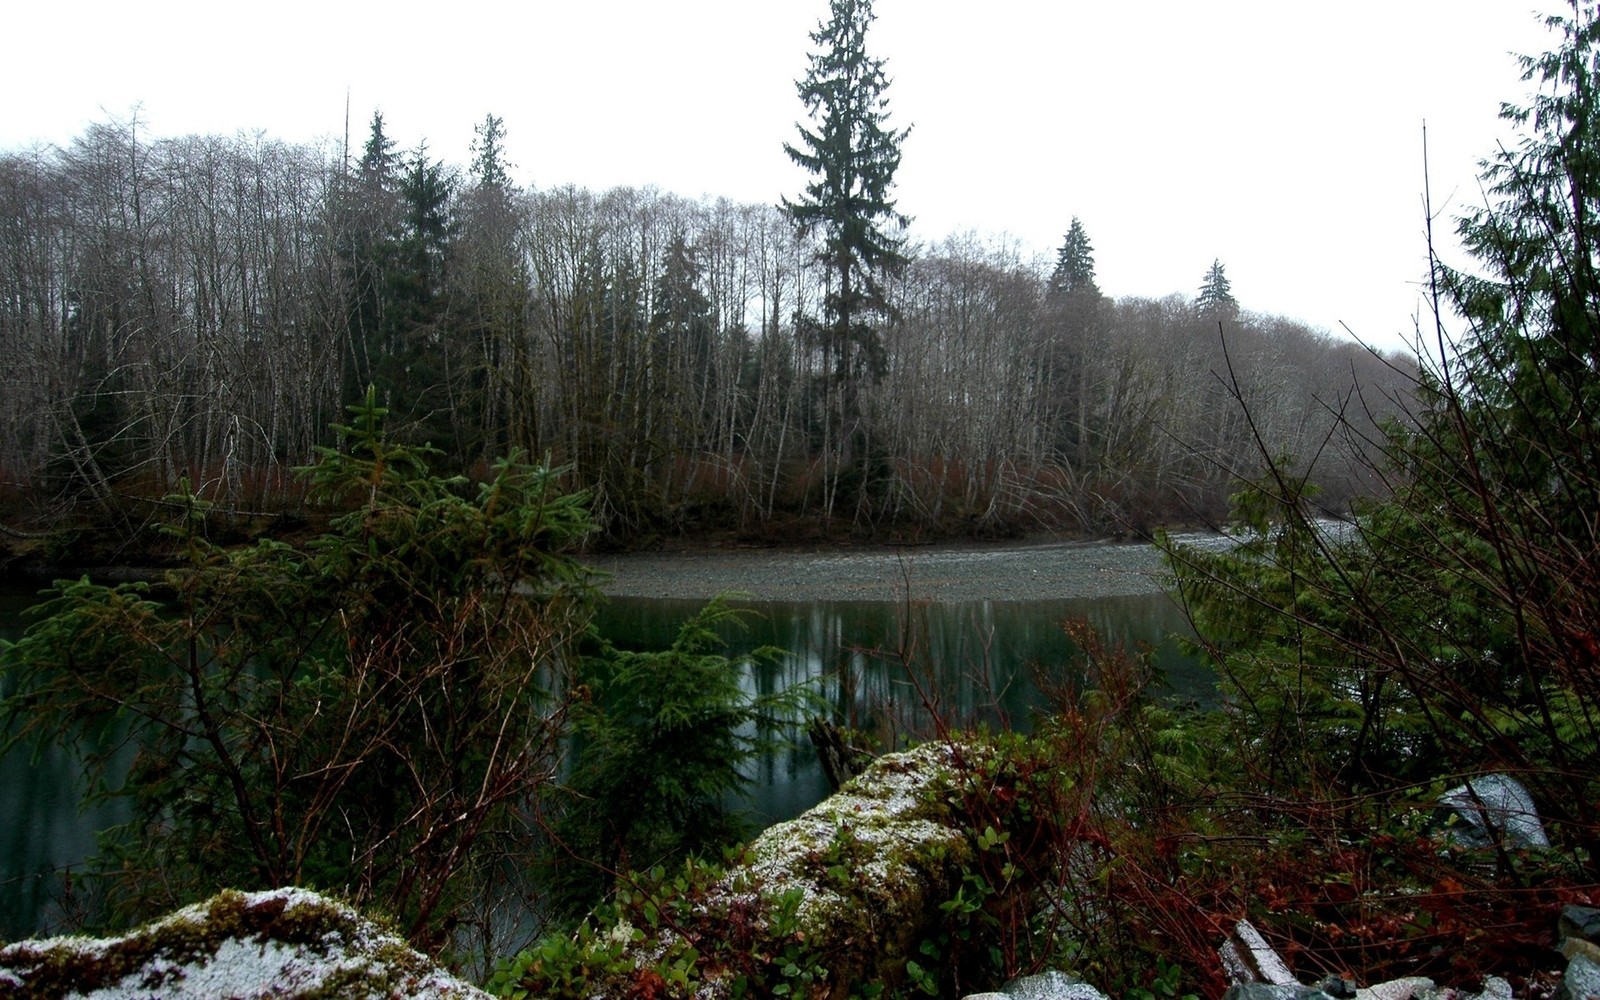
[[285, 943]]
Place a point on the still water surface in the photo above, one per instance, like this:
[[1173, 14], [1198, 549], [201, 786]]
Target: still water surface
[[878, 664], [882, 665]]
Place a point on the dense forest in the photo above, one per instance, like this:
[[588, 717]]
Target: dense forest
[[201, 310]]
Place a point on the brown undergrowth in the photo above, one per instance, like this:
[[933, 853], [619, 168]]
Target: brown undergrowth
[[1125, 837]]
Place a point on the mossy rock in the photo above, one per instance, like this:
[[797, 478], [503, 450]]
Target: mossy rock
[[287, 943], [872, 863], [839, 897]]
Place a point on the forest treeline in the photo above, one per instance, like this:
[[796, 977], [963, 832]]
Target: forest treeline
[[201, 310]]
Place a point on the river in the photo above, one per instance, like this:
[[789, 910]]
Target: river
[[979, 632]]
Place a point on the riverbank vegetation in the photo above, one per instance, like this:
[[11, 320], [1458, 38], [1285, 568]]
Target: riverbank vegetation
[[1450, 632]]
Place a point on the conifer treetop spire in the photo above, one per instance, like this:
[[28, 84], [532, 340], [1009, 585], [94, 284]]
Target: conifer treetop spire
[[852, 154]]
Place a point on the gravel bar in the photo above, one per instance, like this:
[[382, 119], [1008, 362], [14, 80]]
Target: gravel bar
[[1028, 571]]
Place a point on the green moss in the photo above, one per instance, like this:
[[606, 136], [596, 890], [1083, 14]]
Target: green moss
[[873, 863]]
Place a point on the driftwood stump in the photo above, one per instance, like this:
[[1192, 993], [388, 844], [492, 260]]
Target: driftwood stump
[[833, 750]]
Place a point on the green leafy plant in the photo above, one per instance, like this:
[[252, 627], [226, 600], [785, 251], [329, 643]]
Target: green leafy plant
[[690, 934]]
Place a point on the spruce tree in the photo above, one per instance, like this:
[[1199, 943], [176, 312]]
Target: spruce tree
[[489, 289], [368, 231], [1076, 320], [421, 360], [489, 166], [1074, 263], [1216, 299], [380, 164], [852, 154], [681, 323]]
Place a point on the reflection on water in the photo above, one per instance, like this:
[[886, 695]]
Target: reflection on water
[[881, 666], [887, 668]]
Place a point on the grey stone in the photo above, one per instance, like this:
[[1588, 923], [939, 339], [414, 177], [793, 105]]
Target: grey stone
[[1580, 922], [1495, 988], [865, 871], [1492, 808], [1572, 947], [893, 830], [1396, 989], [1050, 986], [1581, 980]]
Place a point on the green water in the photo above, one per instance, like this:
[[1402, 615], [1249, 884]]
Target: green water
[[46, 831], [883, 667], [888, 668]]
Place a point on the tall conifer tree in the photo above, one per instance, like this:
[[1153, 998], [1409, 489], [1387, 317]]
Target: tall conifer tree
[[1216, 299], [853, 155], [369, 228], [1077, 320], [1074, 262], [489, 166]]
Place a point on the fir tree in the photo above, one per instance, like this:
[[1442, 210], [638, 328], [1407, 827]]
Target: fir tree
[[489, 288], [681, 311], [420, 361], [380, 164], [1216, 299], [1076, 318], [1074, 263], [369, 227], [853, 155], [489, 165]]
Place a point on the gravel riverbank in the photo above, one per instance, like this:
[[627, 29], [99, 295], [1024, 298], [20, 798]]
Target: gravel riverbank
[[1026, 571]]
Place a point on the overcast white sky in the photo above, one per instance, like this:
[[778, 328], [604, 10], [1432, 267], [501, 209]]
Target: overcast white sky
[[1283, 137]]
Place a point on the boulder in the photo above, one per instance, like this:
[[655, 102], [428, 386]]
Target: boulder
[[1044, 986], [1581, 980], [1051, 986], [1581, 922], [858, 879], [1495, 988], [1492, 809], [871, 864], [284, 944], [1398, 989]]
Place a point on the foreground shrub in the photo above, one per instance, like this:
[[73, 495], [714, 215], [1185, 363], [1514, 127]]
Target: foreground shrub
[[364, 712]]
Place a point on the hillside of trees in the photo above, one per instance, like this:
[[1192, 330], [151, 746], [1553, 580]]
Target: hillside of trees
[[201, 310]]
